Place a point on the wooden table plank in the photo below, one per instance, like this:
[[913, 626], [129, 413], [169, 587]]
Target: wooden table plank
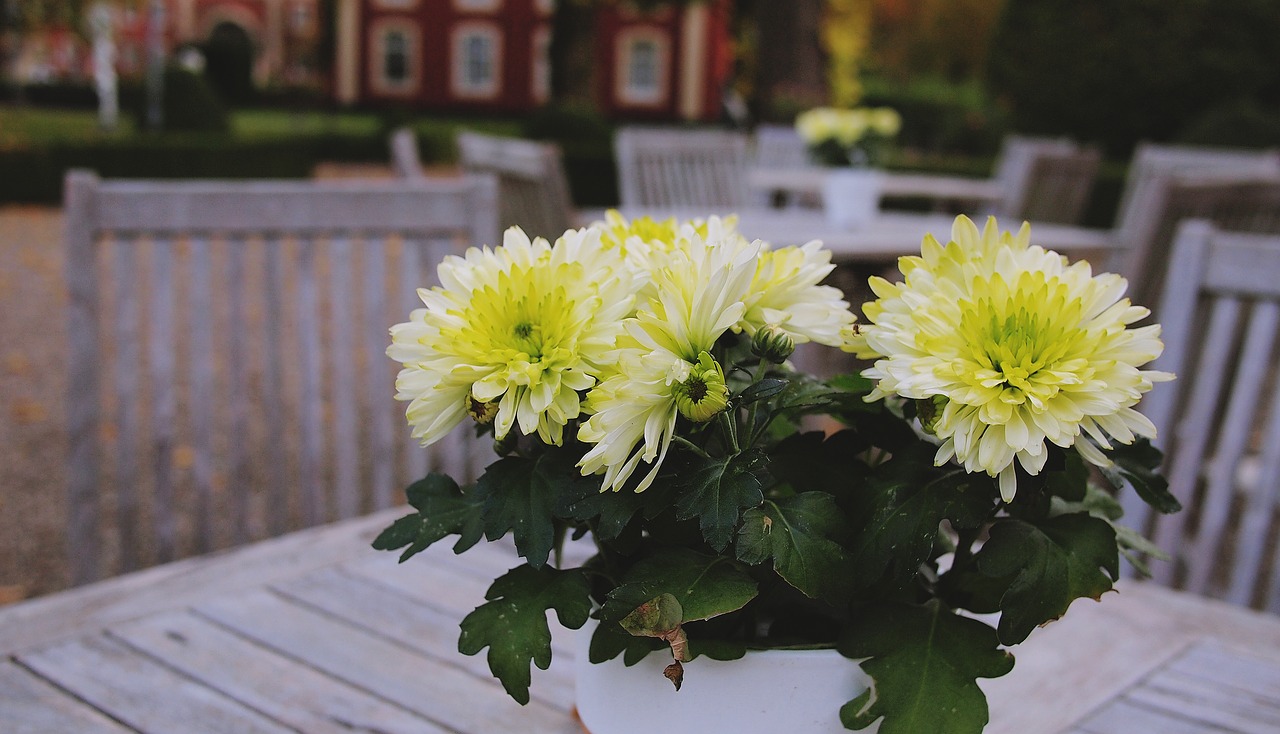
[[37, 622], [31, 705], [365, 603], [279, 687], [436, 689], [1126, 717], [141, 692]]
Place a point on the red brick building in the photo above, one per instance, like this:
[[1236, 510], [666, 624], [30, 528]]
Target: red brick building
[[492, 55]]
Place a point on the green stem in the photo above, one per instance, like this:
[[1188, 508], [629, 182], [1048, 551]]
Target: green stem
[[691, 446]]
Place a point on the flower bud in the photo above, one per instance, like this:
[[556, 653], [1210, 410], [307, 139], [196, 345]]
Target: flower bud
[[480, 411], [930, 410], [773, 344], [703, 394]]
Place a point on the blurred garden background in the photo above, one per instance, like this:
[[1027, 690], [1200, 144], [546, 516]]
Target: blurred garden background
[[304, 88]]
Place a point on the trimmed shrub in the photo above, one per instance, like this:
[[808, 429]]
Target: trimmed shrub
[[1240, 124]]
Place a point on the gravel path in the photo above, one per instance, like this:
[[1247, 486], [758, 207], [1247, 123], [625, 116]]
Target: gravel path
[[32, 374]]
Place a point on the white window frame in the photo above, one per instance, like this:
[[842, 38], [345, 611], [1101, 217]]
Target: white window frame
[[540, 66], [477, 6], [463, 86], [627, 94], [379, 81]]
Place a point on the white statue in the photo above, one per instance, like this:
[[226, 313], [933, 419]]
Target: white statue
[[101, 28]]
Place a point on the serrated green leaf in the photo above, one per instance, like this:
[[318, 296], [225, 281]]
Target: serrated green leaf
[[716, 491], [609, 641], [925, 661], [520, 496], [443, 509], [1051, 563], [513, 622], [583, 501], [705, 586], [802, 534], [906, 499], [766, 388], [1139, 465]]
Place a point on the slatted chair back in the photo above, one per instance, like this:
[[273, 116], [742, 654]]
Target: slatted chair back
[[1152, 162], [1057, 186], [778, 146], [660, 167], [1014, 163], [1219, 422], [533, 191], [228, 377], [1243, 204]]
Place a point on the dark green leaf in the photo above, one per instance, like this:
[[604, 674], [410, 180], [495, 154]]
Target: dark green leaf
[[1139, 465], [925, 661], [906, 500], [766, 388], [513, 622], [582, 500], [705, 586], [1051, 564], [609, 641], [520, 496], [716, 491], [443, 510], [802, 534]]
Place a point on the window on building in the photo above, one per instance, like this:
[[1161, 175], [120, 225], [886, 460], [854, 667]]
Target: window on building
[[395, 57], [642, 70], [476, 61], [394, 60]]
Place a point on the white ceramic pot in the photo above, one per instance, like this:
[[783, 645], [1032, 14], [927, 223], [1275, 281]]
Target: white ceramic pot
[[792, 691], [851, 196]]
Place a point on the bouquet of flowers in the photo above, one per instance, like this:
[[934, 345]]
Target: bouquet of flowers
[[635, 377], [858, 137]]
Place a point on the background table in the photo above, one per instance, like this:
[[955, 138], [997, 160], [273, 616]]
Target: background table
[[890, 235], [808, 180], [316, 632]]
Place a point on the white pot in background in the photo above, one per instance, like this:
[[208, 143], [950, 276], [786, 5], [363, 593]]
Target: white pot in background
[[851, 196], [792, 691]]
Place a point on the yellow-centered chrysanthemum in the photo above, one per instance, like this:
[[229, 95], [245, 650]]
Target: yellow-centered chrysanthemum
[[511, 335], [1017, 346], [662, 367], [785, 294]]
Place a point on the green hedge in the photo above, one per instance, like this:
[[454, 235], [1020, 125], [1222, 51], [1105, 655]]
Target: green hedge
[[35, 174]]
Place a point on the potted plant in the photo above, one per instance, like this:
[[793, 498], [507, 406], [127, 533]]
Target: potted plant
[[853, 144], [635, 378]]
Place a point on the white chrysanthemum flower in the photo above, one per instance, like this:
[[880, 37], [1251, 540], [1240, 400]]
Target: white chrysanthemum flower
[[511, 335], [663, 365], [786, 294], [1024, 348]]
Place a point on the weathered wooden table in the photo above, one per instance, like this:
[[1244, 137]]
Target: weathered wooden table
[[316, 632]]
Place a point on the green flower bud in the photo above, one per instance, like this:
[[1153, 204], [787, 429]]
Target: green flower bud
[[773, 344], [930, 410], [703, 394]]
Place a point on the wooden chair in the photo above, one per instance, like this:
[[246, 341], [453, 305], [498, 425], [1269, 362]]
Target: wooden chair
[[228, 376], [1044, 179], [533, 191], [1221, 319], [660, 167], [779, 146], [1249, 203], [405, 159]]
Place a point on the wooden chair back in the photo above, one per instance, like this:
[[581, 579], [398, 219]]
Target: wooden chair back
[[533, 191], [1219, 422], [779, 146], [1057, 186], [1232, 202], [1014, 162], [228, 377], [1152, 162], [661, 167]]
